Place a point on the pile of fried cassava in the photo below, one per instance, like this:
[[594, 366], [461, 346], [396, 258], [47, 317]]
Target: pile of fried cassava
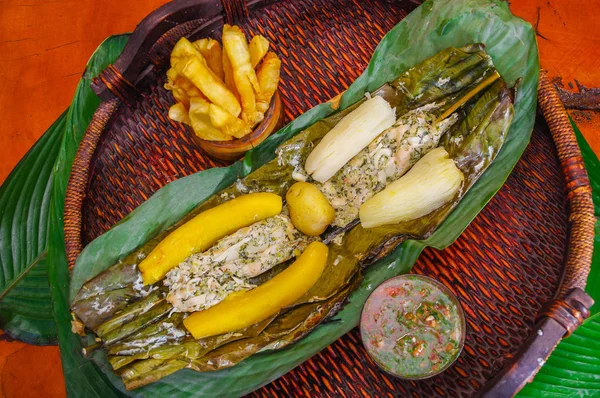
[[263, 262], [222, 93]]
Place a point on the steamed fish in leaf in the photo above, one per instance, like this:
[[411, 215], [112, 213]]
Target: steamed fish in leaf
[[205, 279], [141, 328], [438, 82], [386, 159], [201, 232], [284, 330], [400, 146], [473, 144], [245, 308]]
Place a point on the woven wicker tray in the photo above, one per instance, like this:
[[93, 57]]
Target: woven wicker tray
[[519, 268]]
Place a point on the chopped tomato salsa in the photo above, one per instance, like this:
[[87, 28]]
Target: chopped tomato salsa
[[413, 326]]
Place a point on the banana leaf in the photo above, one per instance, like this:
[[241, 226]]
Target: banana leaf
[[480, 135], [275, 333], [431, 28], [25, 304], [82, 377]]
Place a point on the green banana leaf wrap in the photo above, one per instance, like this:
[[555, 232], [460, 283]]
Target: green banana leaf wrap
[[146, 341], [432, 27]]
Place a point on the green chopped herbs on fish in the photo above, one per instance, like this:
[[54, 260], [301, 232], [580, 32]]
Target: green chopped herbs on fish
[[385, 160], [207, 278]]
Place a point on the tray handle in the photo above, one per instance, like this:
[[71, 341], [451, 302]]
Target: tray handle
[[560, 319], [571, 305], [120, 79]]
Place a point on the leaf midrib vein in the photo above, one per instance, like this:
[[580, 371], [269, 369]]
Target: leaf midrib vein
[[22, 275]]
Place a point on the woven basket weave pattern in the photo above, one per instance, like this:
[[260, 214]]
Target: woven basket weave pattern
[[579, 191]]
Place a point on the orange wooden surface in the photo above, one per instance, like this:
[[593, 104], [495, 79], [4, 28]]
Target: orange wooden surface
[[44, 46]]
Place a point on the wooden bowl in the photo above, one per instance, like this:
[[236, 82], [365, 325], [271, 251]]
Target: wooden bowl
[[235, 149]]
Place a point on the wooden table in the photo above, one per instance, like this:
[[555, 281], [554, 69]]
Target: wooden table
[[44, 46]]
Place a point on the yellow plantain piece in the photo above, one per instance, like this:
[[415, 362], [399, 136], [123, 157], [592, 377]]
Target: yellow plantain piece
[[242, 309], [244, 76], [202, 231], [268, 78], [258, 47], [227, 123], [211, 51], [188, 61]]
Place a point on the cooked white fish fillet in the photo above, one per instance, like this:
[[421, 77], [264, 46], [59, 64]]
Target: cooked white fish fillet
[[386, 159], [205, 279]]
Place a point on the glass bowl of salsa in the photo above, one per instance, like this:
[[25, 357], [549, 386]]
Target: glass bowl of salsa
[[413, 327]]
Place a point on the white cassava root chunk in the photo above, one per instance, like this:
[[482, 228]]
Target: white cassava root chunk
[[351, 135], [433, 181]]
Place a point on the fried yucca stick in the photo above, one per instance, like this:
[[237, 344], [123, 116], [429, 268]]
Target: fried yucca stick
[[228, 72], [181, 88], [268, 78], [178, 113], [188, 61], [200, 121], [244, 76], [258, 48], [211, 51], [227, 123]]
